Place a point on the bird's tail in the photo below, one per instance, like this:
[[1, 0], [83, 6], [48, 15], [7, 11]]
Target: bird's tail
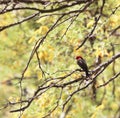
[[88, 76]]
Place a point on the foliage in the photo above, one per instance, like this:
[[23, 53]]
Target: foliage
[[40, 52]]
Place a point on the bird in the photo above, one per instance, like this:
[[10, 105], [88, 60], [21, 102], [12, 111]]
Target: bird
[[82, 63]]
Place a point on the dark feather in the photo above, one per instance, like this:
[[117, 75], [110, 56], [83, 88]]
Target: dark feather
[[82, 63]]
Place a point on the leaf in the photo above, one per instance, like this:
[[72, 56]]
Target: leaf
[[90, 23], [43, 30], [100, 107], [94, 115], [31, 40], [39, 75], [27, 73], [114, 19]]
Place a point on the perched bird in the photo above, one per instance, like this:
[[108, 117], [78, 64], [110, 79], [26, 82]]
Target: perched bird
[[82, 63]]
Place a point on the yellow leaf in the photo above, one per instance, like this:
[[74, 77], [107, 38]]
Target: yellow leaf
[[45, 103], [27, 73], [43, 30], [50, 47], [11, 98], [14, 53], [97, 111], [100, 107], [24, 116], [77, 52], [90, 24], [39, 75], [31, 40], [114, 19], [114, 106], [43, 56], [50, 57], [94, 115], [99, 52]]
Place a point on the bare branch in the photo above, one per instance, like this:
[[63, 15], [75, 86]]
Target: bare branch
[[19, 22], [24, 1], [94, 27], [114, 77]]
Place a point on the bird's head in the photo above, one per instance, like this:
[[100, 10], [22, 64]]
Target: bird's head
[[78, 57]]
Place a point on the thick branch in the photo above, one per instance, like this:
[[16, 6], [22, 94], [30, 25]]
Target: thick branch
[[24, 1]]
